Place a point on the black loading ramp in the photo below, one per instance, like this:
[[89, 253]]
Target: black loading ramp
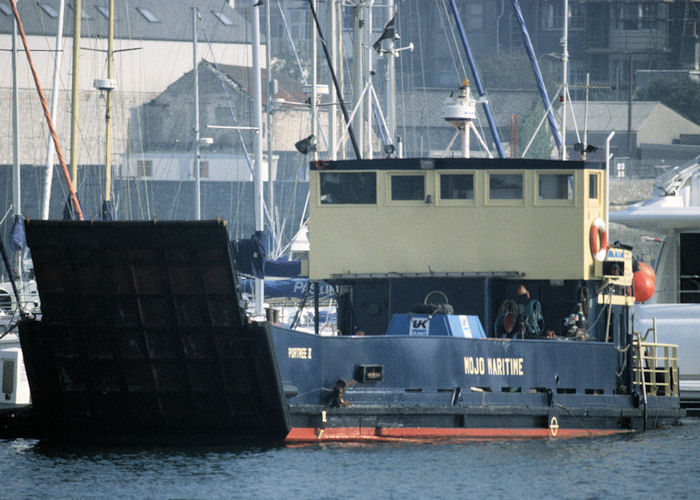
[[144, 333]]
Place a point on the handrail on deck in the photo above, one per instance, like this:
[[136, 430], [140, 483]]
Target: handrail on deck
[[655, 365]]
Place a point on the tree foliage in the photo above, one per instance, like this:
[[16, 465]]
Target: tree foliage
[[543, 144], [682, 96], [514, 71]]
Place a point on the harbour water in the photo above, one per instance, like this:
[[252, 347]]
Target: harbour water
[[663, 463]]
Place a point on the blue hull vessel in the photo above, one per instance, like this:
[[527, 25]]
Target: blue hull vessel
[[450, 327]]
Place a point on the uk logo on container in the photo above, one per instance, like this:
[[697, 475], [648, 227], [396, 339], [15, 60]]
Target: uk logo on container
[[420, 326]]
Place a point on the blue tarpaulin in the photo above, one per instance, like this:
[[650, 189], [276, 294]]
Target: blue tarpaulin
[[250, 255], [287, 288], [18, 239]]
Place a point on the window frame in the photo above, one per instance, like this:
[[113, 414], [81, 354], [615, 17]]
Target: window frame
[[390, 191], [456, 201], [321, 203], [505, 201], [555, 201]]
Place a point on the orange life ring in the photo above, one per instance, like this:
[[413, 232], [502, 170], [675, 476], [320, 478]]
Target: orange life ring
[[598, 237]]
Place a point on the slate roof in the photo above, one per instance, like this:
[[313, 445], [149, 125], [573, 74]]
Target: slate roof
[[288, 88], [423, 107], [612, 115], [174, 19]]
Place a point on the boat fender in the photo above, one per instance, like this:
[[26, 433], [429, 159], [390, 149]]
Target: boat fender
[[598, 237], [644, 286], [506, 319]]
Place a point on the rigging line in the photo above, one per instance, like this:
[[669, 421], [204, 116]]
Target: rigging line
[[539, 126], [233, 115], [47, 114], [573, 116], [454, 41], [329, 62], [291, 41]]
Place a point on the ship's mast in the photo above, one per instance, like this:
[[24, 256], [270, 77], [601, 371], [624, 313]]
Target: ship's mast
[[565, 72], [358, 36], [332, 112], [390, 86]]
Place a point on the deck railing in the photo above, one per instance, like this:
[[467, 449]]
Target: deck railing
[[655, 365]]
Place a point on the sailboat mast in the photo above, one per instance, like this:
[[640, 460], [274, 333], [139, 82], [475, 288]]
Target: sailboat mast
[[16, 174], [107, 209], [75, 91], [197, 179], [16, 180], [73, 198], [48, 176], [314, 90], [268, 105], [258, 172]]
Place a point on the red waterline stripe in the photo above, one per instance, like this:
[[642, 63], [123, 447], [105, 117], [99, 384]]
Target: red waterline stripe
[[312, 435]]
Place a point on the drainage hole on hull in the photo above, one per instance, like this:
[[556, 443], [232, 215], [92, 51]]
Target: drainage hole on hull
[[561, 390], [511, 389], [413, 389], [595, 391]]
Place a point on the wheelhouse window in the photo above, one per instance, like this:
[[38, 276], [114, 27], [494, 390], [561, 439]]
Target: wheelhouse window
[[457, 186], [407, 187], [506, 186], [555, 186], [339, 188], [593, 186]]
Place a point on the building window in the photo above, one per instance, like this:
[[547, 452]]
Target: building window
[[593, 186], [505, 186], [148, 15], [407, 187], [203, 169], [636, 15], [456, 186], [553, 16], [144, 168], [555, 186], [473, 15], [297, 19], [348, 188]]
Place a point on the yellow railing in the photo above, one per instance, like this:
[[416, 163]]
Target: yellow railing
[[655, 365]]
